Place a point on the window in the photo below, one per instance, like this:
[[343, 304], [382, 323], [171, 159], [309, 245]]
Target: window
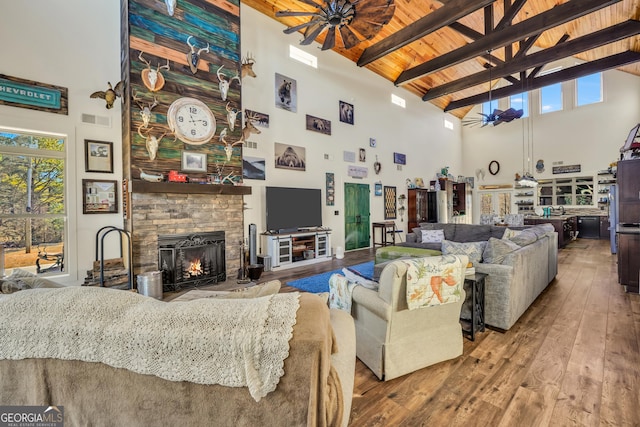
[[32, 204], [302, 56], [551, 98], [395, 99], [488, 107], [520, 102], [566, 191], [589, 89]]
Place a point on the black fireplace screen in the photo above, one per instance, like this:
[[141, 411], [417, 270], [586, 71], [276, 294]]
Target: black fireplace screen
[[191, 259]]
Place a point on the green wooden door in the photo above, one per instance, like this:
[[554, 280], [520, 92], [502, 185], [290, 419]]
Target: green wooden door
[[356, 216]]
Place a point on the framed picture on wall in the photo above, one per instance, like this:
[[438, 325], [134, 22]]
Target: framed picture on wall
[[194, 162], [378, 189], [390, 203], [99, 196], [399, 158], [98, 156]]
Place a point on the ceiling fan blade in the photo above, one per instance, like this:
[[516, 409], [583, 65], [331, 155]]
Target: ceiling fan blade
[[365, 28], [349, 39], [312, 3], [311, 33], [330, 39], [282, 13], [291, 30]]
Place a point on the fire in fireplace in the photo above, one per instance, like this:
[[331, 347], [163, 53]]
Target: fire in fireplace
[[191, 259]]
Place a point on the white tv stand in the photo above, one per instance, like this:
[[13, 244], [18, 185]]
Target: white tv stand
[[297, 248]]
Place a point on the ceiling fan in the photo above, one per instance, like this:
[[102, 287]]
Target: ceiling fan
[[495, 118], [355, 20]]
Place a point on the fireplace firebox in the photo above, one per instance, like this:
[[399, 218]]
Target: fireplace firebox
[[188, 260]]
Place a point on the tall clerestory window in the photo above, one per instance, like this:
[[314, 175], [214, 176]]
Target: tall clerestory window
[[589, 89], [32, 201]]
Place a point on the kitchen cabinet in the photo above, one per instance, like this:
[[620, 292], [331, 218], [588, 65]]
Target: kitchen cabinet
[[628, 177], [605, 233], [628, 260]]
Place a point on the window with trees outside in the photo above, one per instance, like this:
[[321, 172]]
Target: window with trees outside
[[32, 202], [566, 191]]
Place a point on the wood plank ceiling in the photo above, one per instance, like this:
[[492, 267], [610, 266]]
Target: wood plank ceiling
[[440, 50]]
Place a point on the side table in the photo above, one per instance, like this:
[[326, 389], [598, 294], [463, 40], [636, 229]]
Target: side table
[[387, 227], [474, 288]]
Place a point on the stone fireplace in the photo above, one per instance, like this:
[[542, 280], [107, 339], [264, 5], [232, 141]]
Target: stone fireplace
[[154, 214]]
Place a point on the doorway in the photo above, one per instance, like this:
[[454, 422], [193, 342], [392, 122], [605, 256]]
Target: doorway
[[356, 216]]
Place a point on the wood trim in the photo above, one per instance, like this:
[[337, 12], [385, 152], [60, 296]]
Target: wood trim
[[439, 18], [562, 50], [534, 25], [186, 188], [607, 63]]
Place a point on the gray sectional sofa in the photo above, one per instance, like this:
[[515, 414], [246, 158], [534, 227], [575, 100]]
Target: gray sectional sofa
[[519, 268]]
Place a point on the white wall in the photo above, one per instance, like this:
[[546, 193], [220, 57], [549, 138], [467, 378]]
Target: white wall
[[74, 44], [416, 131]]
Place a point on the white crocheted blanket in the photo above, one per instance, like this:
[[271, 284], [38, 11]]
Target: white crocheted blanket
[[231, 342]]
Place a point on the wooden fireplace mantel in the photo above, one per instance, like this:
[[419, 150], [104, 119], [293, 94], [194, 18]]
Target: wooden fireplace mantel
[[137, 186]]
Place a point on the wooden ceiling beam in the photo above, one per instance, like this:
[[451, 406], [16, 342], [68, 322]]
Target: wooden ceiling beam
[[603, 64], [466, 31], [534, 25], [509, 14], [439, 18], [561, 50]]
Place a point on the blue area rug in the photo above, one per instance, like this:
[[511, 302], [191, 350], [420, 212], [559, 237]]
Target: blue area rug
[[320, 282]]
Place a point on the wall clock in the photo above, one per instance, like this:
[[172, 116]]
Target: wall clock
[[191, 121]]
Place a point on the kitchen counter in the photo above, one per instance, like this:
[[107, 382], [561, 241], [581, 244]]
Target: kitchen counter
[[626, 229], [564, 225]]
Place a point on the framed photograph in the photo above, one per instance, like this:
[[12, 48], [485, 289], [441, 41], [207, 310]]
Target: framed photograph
[[262, 119], [317, 124], [399, 158], [378, 189], [98, 156], [286, 93], [99, 196], [346, 112], [253, 168], [194, 162], [290, 157]]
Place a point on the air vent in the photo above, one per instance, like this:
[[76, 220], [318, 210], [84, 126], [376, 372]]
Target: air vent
[[250, 144], [96, 120]]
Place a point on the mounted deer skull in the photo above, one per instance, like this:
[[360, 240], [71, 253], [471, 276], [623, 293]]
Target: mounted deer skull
[[152, 79], [232, 114], [145, 110], [246, 69], [152, 143], [171, 6], [193, 57], [249, 125], [224, 83], [228, 147]]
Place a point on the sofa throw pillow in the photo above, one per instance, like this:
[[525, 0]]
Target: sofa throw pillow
[[497, 250], [525, 238], [432, 236], [473, 250], [509, 233]]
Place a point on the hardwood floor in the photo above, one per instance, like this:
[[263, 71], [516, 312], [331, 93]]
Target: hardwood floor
[[572, 359]]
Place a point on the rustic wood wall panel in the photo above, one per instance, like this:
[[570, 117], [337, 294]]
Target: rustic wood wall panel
[[148, 28]]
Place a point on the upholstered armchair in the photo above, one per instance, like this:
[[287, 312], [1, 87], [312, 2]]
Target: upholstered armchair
[[392, 339]]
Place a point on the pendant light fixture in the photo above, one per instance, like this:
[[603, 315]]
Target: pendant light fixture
[[527, 179]]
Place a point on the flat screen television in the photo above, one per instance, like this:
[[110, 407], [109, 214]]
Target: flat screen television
[[292, 209]]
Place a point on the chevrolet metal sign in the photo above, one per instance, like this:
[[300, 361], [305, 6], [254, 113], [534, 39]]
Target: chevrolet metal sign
[[34, 95]]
